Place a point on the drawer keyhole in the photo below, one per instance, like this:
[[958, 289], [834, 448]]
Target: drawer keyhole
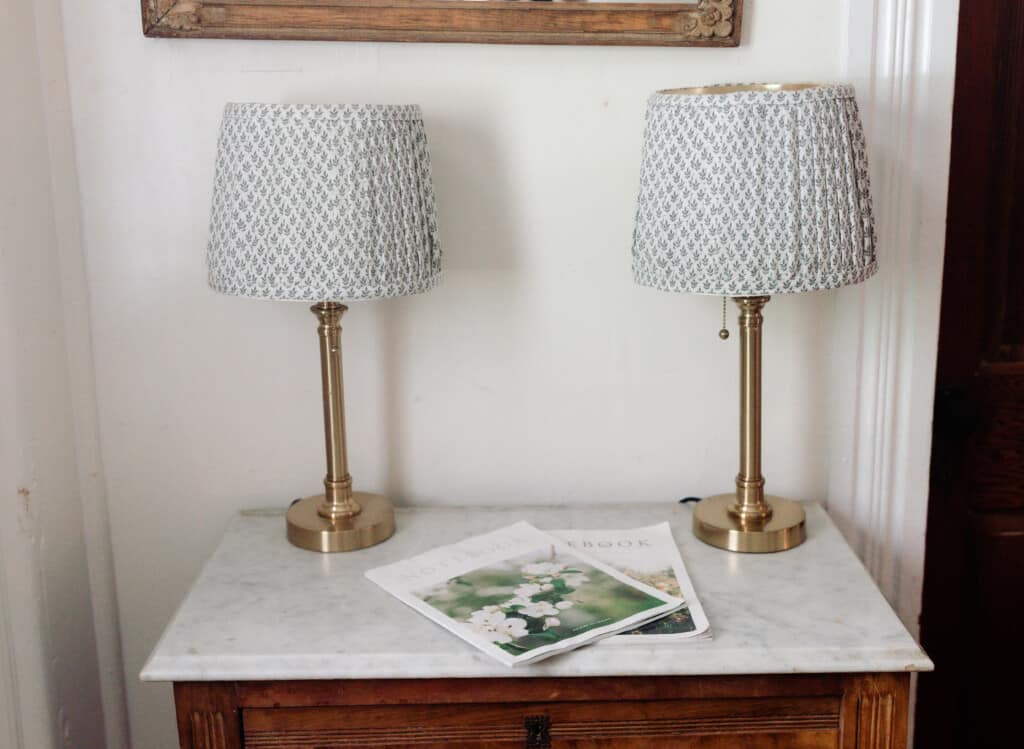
[[538, 731]]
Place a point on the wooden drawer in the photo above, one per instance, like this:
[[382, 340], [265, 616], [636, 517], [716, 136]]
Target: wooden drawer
[[794, 711], [758, 723]]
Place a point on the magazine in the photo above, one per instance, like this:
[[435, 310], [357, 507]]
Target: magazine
[[649, 555], [521, 595]]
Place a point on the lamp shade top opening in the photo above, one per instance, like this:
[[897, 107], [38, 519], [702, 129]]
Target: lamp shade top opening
[[754, 189], [323, 203], [735, 88]]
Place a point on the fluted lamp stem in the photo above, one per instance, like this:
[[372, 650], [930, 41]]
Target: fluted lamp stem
[[339, 519], [750, 504], [748, 520], [338, 500]]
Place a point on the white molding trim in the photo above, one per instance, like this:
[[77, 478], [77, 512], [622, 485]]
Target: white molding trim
[[81, 378], [26, 707], [27, 715], [901, 56], [10, 703]]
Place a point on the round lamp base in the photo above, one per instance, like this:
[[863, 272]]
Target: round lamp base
[[714, 524], [308, 530]]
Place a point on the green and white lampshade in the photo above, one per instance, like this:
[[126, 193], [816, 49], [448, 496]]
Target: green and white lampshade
[[754, 190], [323, 203]]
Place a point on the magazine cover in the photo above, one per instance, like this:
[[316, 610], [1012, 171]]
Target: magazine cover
[[649, 555], [520, 594]]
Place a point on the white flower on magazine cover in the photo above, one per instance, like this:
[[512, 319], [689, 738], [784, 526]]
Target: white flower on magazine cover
[[488, 616], [543, 569], [496, 627], [575, 581], [526, 590], [538, 609], [512, 629]]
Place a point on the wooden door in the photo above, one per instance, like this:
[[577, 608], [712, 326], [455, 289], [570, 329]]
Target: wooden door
[[973, 612]]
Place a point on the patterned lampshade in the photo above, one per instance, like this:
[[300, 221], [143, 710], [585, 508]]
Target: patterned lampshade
[[322, 203], [754, 190]]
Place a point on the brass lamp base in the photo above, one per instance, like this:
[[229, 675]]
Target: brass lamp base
[[309, 530], [714, 524]]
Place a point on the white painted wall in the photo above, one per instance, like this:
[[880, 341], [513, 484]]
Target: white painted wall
[[537, 373], [55, 578]]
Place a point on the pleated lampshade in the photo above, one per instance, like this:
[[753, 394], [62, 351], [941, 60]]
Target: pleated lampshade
[[754, 190], [322, 203]]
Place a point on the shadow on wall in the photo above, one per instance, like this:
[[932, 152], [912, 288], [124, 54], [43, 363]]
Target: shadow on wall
[[481, 255]]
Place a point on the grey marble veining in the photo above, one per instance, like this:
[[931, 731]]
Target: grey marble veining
[[263, 609]]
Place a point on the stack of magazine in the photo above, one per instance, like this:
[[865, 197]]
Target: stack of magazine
[[521, 594]]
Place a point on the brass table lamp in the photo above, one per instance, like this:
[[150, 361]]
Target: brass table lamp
[[324, 203], [748, 191]]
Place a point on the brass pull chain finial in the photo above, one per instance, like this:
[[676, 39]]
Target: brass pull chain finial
[[724, 332]]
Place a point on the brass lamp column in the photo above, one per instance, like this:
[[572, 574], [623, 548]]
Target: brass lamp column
[[339, 519], [746, 191], [747, 520], [325, 203]]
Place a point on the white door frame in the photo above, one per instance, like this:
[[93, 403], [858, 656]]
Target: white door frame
[[901, 56]]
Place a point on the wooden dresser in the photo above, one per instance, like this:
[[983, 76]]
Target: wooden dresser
[[277, 647]]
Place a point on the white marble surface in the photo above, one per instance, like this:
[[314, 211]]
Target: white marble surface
[[262, 609]]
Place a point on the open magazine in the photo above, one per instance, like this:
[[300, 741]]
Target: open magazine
[[521, 595], [649, 555]]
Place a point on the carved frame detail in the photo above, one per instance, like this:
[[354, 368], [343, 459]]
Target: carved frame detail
[[209, 716], [697, 23]]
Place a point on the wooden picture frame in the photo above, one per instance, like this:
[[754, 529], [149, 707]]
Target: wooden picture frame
[[693, 23]]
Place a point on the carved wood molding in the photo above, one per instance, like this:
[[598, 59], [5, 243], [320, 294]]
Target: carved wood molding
[[876, 720], [875, 712], [703, 23], [208, 715], [208, 730], [173, 15]]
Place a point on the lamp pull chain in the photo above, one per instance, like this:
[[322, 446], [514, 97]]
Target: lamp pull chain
[[724, 332]]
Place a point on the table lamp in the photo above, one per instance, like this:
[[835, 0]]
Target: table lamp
[[748, 191], [324, 203]]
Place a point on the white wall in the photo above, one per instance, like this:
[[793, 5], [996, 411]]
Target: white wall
[[537, 373], [51, 591]]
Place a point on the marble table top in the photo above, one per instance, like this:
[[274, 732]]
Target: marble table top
[[264, 610]]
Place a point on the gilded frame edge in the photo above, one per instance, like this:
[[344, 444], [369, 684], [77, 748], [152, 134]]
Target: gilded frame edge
[[706, 23]]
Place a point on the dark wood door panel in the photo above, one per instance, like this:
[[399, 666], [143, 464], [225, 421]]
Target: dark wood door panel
[[996, 450], [974, 558], [996, 655]]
